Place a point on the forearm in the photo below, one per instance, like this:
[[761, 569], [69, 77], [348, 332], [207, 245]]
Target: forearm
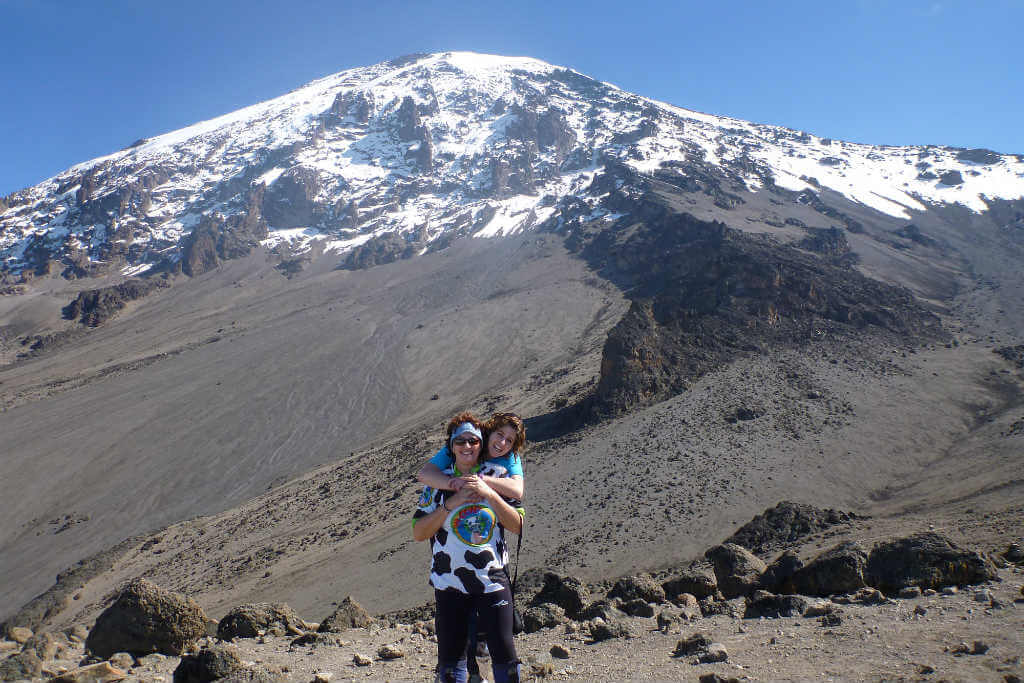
[[432, 476], [425, 527], [509, 487], [507, 515]]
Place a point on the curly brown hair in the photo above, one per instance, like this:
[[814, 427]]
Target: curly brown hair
[[499, 420], [464, 416]]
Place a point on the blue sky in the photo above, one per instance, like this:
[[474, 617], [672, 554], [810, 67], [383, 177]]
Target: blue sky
[[83, 79]]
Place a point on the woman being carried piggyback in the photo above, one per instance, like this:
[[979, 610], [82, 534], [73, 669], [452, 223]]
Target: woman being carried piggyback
[[466, 528], [506, 438]]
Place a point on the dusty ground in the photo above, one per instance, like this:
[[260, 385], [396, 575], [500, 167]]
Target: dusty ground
[[873, 643]]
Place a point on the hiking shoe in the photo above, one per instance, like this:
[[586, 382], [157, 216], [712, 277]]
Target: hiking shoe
[[477, 678]]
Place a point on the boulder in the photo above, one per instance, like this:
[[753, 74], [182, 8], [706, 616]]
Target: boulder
[[388, 652], [543, 616], [315, 639], [602, 609], [601, 630], [641, 586], [716, 653], [102, 672], [246, 621], [711, 606], [765, 604], [839, 569], [122, 660], [19, 634], [696, 644], [25, 664], [145, 618], [567, 592], [349, 614], [638, 607], [778, 577], [927, 560], [698, 580], [864, 596], [737, 570], [210, 663]]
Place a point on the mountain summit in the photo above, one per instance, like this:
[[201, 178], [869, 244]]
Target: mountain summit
[[398, 158]]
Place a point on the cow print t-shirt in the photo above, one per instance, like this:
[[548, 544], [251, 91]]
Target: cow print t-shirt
[[469, 550]]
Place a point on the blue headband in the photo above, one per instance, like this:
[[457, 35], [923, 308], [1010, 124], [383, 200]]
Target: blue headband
[[465, 428]]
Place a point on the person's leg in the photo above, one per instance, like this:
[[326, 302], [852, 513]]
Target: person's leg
[[450, 625], [471, 664], [495, 614]]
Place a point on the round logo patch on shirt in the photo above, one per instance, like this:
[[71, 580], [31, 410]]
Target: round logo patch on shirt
[[473, 524]]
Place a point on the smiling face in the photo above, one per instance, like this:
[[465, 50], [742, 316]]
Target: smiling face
[[467, 450], [500, 441]]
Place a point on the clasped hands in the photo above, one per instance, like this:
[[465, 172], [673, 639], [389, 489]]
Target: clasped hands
[[470, 489]]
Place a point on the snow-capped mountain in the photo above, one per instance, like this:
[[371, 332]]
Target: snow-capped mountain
[[408, 153]]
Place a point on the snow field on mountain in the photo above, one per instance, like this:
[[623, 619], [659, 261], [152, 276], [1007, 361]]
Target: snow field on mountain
[[466, 108]]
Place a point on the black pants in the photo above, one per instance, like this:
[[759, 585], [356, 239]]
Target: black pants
[[494, 615]]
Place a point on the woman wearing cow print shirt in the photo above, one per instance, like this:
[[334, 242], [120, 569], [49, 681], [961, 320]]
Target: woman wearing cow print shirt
[[467, 533]]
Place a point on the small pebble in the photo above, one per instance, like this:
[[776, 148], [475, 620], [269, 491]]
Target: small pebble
[[361, 660]]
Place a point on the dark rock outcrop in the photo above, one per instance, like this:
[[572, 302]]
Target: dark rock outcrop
[[94, 307], [831, 243], [145, 619], [292, 200], [951, 178], [737, 570], [377, 251], [715, 294], [216, 238], [784, 524], [246, 621], [839, 569], [927, 560]]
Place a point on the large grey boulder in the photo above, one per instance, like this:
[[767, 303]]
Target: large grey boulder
[[209, 664], [698, 580], [928, 560], [543, 616], [765, 604], [144, 619], [640, 586], [247, 621], [778, 577], [839, 569], [567, 592], [350, 614], [737, 570]]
